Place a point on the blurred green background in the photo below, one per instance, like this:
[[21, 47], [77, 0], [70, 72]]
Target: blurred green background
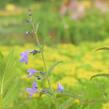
[[60, 20]]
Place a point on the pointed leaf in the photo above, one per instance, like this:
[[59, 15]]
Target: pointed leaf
[[99, 75]]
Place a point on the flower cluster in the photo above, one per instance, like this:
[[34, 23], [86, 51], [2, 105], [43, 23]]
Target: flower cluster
[[32, 72], [39, 75]]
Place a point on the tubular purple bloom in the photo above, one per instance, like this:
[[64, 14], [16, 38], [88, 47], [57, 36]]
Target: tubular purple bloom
[[24, 57], [60, 88], [33, 90], [31, 72]]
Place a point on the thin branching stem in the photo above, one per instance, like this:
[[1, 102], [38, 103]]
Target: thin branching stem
[[35, 29]]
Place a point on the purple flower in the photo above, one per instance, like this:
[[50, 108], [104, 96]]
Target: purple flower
[[33, 90], [60, 88], [31, 72], [24, 57]]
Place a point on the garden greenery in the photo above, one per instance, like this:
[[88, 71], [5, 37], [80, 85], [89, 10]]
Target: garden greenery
[[9, 82], [87, 94], [55, 28]]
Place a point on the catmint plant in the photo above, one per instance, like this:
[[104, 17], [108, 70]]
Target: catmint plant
[[39, 75]]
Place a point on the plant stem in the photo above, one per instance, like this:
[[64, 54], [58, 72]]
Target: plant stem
[[41, 50], [35, 29]]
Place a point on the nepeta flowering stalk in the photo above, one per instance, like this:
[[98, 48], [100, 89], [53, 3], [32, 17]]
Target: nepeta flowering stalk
[[35, 29], [39, 75]]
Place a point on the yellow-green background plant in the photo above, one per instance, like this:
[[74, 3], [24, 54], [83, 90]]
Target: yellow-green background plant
[[78, 65]]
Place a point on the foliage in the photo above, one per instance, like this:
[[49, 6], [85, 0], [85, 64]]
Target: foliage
[[54, 28], [81, 69], [78, 65], [9, 80]]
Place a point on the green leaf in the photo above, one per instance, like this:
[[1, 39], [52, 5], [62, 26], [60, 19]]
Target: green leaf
[[1, 55], [11, 94], [9, 79], [103, 48], [2, 67], [1, 105], [100, 75], [53, 66]]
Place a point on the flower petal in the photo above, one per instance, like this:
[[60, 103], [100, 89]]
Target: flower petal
[[31, 72], [60, 88]]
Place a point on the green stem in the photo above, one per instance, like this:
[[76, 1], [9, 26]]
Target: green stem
[[41, 50], [43, 60]]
